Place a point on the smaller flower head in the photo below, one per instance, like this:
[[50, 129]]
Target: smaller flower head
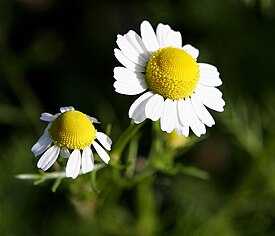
[[71, 134]]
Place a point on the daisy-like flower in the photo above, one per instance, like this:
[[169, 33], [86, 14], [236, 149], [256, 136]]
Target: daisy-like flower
[[176, 88], [71, 134]]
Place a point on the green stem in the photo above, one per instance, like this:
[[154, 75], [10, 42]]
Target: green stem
[[156, 148], [146, 207], [44, 176], [132, 157], [123, 140]]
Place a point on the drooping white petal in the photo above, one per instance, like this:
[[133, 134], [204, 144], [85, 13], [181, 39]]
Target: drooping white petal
[[167, 119], [182, 130], [101, 152], [94, 120], [65, 153], [210, 97], [87, 160], [129, 51], [48, 158], [47, 117], [105, 141], [148, 36], [42, 144], [126, 62], [179, 128], [137, 109], [183, 113], [162, 32], [196, 125], [174, 39], [69, 108], [193, 52], [137, 43], [73, 164], [209, 76], [154, 107], [201, 111]]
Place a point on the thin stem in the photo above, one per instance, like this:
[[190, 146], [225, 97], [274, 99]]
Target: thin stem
[[124, 139], [44, 176], [132, 157], [146, 207]]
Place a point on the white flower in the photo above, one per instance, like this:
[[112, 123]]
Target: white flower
[[175, 87], [71, 134]]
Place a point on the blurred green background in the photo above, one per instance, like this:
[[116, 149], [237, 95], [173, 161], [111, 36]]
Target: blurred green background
[[58, 52]]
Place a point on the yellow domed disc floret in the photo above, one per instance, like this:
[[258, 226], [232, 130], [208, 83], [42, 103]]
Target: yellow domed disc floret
[[73, 130], [172, 73]]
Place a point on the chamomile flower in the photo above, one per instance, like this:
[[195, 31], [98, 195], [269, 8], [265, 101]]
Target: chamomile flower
[[70, 134], [175, 88]]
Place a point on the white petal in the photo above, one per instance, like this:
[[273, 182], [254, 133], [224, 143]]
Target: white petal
[[69, 108], [206, 90], [42, 144], [183, 113], [136, 42], [174, 39], [179, 128], [168, 37], [47, 117], [162, 32], [87, 160], [137, 109], [129, 82], [201, 111], [105, 141], [167, 119], [209, 76], [149, 37], [65, 153], [129, 89], [73, 164], [193, 52], [196, 125], [182, 130], [125, 75], [130, 52], [101, 152], [206, 66], [126, 62], [48, 158], [215, 104], [94, 120], [210, 97], [154, 107]]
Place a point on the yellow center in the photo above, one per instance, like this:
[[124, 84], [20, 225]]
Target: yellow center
[[172, 73], [73, 130]]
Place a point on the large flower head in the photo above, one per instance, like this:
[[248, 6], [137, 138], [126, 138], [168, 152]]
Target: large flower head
[[175, 88], [71, 134]]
